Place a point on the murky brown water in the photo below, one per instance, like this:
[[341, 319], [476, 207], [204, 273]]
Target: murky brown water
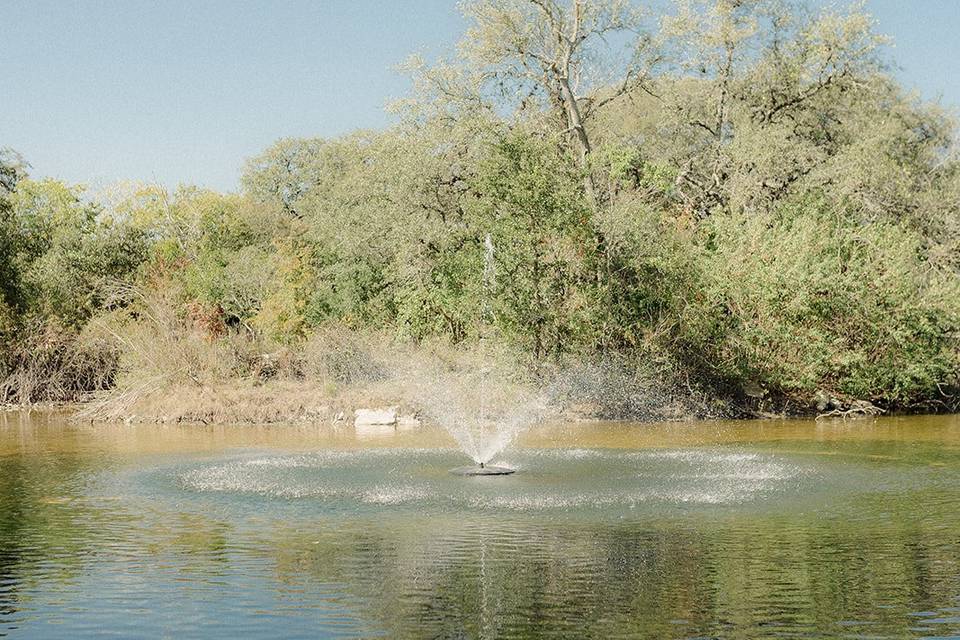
[[732, 530]]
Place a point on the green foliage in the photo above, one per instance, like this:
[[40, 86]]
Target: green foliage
[[739, 198], [59, 259], [532, 206], [802, 300], [63, 253]]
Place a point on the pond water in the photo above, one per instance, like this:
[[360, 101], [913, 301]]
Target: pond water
[[773, 529]]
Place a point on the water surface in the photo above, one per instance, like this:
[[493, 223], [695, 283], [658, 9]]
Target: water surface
[[775, 529]]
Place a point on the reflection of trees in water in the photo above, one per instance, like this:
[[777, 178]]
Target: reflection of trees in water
[[42, 516], [53, 528], [472, 577], [455, 578]]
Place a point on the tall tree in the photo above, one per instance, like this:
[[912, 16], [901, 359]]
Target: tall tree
[[549, 59], [762, 91]]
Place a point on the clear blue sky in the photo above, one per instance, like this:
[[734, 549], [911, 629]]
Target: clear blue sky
[[184, 91]]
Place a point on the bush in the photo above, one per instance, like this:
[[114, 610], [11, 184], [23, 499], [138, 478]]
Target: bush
[[48, 363], [806, 300]]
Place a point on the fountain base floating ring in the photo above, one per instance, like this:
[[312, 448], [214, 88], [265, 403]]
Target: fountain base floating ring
[[482, 470]]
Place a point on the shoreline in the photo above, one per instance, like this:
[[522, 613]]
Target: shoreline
[[297, 402]]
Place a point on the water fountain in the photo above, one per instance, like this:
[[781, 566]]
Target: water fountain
[[478, 404]]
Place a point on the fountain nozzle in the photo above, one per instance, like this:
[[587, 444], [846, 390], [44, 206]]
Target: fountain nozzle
[[481, 469]]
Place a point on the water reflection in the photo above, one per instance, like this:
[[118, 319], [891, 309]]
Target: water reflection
[[733, 530], [489, 578]]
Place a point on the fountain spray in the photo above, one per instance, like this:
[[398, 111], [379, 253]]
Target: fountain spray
[[487, 321]]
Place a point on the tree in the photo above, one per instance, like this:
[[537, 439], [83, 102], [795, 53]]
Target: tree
[[285, 172], [64, 251], [544, 59], [761, 93]]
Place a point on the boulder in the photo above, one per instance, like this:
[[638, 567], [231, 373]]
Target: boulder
[[364, 417]]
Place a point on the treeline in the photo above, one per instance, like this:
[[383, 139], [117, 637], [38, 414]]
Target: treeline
[[734, 197]]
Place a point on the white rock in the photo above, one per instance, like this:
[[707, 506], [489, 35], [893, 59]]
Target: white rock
[[375, 416]]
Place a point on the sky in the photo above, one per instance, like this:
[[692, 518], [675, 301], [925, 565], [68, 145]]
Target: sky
[[184, 91]]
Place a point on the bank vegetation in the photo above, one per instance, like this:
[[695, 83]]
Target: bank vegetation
[[733, 205]]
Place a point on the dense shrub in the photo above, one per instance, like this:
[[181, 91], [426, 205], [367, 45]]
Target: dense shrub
[[804, 299], [47, 363]]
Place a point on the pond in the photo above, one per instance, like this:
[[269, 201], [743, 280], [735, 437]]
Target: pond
[[760, 529]]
